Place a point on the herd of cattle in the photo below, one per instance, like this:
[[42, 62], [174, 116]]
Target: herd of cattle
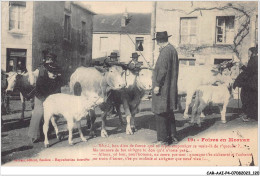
[[115, 85]]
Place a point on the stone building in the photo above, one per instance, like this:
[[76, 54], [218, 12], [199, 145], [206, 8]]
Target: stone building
[[30, 27], [209, 32]]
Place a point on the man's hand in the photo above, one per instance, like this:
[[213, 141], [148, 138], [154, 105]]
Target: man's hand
[[156, 90]]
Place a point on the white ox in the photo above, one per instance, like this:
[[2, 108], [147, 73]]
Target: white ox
[[130, 97], [190, 78], [72, 108]]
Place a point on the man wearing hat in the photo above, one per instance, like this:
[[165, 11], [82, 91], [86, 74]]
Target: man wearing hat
[[165, 92], [46, 84], [113, 57], [134, 61]]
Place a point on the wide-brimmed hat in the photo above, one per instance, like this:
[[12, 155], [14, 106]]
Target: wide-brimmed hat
[[113, 55], [135, 55], [53, 68], [161, 35]]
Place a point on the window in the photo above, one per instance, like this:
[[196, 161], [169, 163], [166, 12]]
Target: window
[[219, 61], [256, 30], [190, 62], [67, 27], [103, 43], [139, 41], [188, 30], [83, 31], [225, 29], [82, 61], [16, 60], [16, 15]]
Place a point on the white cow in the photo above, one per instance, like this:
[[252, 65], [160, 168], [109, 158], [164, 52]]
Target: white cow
[[190, 78], [216, 94], [72, 108]]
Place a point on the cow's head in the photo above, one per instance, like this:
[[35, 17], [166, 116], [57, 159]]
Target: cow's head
[[115, 77], [144, 79], [11, 81]]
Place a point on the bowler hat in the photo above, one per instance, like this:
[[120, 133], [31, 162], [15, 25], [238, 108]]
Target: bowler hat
[[53, 68], [135, 55], [113, 55], [161, 35]]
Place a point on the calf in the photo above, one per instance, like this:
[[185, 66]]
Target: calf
[[206, 94], [72, 108]]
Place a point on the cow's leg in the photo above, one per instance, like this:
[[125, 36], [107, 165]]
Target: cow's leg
[[92, 118], [45, 131], [188, 102], [103, 126], [32, 103], [23, 106], [7, 103], [80, 132], [128, 117], [223, 113], [119, 113], [200, 109], [70, 128], [54, 124], [194, 110]]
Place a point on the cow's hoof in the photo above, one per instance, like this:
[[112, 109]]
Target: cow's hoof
[[199, 125], [129, 131], [84, 139], [185, 116], [71, 144], [104, 133], [47, 145], [133, 129], [202, 115], [59, 137], [223, 121]]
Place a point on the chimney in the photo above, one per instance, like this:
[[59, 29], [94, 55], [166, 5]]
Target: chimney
[[124, 18]]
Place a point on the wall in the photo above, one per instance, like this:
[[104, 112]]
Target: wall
[[122, 44], [48, 30], [48, 33], [21, 40], [168, 16]]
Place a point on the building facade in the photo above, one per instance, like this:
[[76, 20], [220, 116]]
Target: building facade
[[209, 32], [30, 27], [113, 33]]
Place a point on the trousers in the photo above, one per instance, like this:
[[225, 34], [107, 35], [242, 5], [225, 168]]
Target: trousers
[[165, 126], [37, 116]]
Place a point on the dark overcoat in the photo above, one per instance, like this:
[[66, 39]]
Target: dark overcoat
[[165, 76]]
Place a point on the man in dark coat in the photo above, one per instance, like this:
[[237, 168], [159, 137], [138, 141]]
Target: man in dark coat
[[165, 90], [46, 84], [248, 81]]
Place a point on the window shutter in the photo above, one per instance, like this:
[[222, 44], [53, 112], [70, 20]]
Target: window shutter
[[17, 3]]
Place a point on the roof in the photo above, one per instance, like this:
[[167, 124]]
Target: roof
[[83, 7], [140, 23]]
